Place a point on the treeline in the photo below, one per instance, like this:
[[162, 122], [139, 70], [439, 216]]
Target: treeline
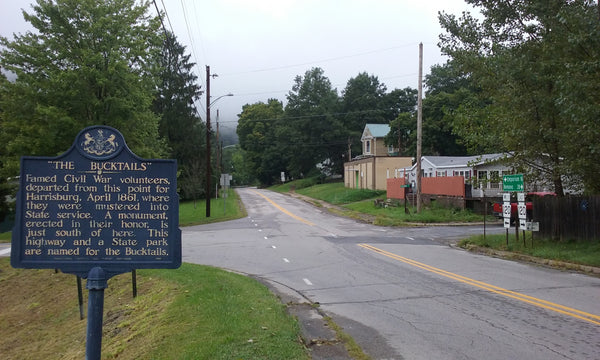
[[103, 62], [523, 78], [318, 129]]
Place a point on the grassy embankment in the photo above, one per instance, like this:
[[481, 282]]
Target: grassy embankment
[[356, 202], [194, 312], [576, 252]]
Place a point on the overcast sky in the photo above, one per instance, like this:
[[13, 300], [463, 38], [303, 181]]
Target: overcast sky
[[258, 47]]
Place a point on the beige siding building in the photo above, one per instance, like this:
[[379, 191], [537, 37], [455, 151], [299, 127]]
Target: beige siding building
[[377, 163]]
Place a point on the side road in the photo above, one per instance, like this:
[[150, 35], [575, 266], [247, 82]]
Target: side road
[[562, 265]]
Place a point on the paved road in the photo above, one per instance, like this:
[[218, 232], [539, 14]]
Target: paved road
[[401, 292]]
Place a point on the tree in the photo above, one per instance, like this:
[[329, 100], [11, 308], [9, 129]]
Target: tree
[[537, 64], [446, 91], [402, 107], [179, 123], [87, 63], [312, 131], [258, 139], [362, 103]]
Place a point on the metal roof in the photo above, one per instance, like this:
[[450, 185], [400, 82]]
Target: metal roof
[[378, 130]]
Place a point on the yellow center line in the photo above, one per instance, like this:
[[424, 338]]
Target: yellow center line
[[594, 319], [284, 210]]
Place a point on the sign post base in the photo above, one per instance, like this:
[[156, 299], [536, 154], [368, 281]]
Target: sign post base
[[96, 283]]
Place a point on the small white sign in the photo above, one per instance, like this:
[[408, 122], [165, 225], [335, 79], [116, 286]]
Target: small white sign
[[507, 223], [522, 210], [506, 197], [520, 197], [506, 210], [532, 226], [522, 224]]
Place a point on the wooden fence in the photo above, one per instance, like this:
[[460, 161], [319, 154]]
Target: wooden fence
[[568, 218]]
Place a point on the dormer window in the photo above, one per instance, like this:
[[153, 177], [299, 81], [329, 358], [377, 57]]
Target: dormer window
[[368, 147]]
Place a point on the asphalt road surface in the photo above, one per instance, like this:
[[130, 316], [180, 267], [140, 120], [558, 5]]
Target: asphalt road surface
[[403, 293]]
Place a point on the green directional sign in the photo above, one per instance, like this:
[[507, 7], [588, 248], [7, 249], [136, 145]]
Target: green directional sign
[[513, 182]]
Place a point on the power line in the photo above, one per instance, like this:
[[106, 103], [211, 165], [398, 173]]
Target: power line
[[167, 15], [187, 26], [359, 112], [319, 61], [170, 45]]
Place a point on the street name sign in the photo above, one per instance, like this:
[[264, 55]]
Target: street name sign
[[513, 182]]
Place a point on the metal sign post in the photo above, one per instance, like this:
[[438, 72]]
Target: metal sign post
[[511, 183], [522, 211], [506, 213], [97, 211]]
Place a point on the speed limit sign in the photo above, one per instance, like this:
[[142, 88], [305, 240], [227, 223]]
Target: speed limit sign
[[522, 209], [506, 210]]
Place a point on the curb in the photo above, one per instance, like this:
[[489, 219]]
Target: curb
[[555, 264], [320, 339]]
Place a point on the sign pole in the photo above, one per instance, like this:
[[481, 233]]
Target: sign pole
[[96, 283], [484, 215], [80, 297]]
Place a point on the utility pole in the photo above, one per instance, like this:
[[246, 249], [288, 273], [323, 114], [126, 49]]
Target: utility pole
[[419, 127], [350, 148], [208, 141], [218, 162]]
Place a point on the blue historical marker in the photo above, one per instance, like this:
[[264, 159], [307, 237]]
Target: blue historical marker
[[97, 211]]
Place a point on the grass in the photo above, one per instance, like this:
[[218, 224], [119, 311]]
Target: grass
[[361, 201], [336, 193], [577, 252], [194, 212], [195, 312], [397, 216], [333, 193]]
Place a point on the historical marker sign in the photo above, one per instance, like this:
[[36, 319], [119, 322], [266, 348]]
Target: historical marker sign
[[97, 205]]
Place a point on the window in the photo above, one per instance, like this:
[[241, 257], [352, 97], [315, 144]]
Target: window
[[495, 178], [368, 147], [482, 179]]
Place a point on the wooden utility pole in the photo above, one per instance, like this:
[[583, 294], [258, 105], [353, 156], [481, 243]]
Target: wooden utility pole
[[349, 149], [419, 126], [218, 162], [208, 141]]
